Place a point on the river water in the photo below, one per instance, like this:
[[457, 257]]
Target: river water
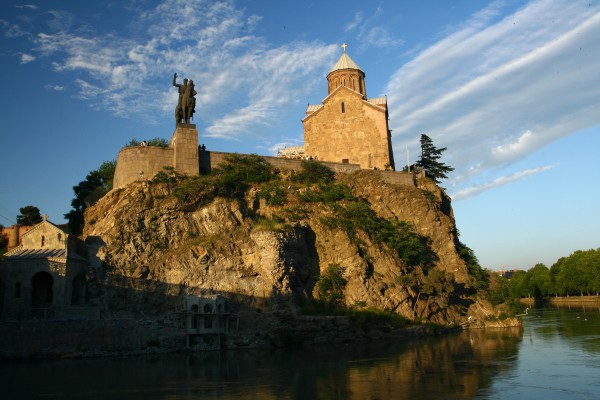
[[556, 355]]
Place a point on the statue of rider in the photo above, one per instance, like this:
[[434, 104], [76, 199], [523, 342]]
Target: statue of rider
[[186, 103]]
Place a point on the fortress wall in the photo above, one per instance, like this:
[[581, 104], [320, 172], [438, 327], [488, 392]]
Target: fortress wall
[[397, 178], [148, 159], [212, 159]]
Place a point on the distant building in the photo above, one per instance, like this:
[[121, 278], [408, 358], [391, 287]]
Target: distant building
[[14, 234], [507, 273], [43, 275]]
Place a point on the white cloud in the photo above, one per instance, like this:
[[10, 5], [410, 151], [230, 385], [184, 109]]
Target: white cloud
[[371, 31], [29, 6], [500, 181], [494, 91], [12, 30], [56, 88], [26, 58]]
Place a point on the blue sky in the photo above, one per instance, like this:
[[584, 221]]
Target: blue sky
[[511, 88]]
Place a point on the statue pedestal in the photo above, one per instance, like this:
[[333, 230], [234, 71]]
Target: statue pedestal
[[185, 145]]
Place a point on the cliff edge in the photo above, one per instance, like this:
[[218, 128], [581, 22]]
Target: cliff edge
[[270, 244]]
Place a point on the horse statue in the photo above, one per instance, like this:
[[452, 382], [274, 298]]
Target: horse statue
[[187, 102]]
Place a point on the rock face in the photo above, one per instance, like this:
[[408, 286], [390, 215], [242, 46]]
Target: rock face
[[151, 248]]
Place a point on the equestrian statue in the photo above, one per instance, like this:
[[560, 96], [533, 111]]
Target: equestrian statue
[[186, 105]]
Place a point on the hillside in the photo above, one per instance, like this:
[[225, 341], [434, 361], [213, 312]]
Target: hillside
[[267, 240]]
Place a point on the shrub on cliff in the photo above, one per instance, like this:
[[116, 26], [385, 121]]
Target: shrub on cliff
[[331, 285], [399, 236], [234, 176], [314, 172]]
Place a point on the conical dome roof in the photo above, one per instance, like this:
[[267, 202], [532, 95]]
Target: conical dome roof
[[345, 62]]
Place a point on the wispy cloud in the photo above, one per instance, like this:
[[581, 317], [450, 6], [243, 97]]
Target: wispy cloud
[[494, 91], [497, 182], [56, 88], [29, 6], [233, 69], [372, 31]]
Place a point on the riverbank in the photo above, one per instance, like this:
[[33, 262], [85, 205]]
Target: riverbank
[[55, 339], [564, 300]]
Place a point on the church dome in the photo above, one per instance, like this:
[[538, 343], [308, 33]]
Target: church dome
[[345, 72]]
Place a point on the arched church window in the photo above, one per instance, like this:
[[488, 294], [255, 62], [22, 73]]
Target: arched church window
[[343, 107], [43, 240]]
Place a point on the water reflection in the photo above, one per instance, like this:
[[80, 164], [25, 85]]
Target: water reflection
[[455, 367]]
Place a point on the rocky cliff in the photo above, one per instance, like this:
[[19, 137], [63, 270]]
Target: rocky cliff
[[267, 245]]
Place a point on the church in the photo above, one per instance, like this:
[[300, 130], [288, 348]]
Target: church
[[348, 127]]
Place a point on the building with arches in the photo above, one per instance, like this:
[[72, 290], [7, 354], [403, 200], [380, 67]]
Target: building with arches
[[348, 127], [45, 275]]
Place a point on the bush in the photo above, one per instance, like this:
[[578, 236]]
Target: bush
[[236, 173], [273, 193], [314, 172], [331, 285], [157, 142]]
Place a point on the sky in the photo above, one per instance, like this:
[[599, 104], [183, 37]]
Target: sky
[[510, 88]]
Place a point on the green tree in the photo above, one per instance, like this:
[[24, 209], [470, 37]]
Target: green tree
[[539, 283], [29, 215], [314, 172], [331, 285], [480, 277], [518, 285], [237, 172], [429, 160], [87, 192]]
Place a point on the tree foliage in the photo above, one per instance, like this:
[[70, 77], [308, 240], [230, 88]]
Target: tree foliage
[[29, 215], [429, 160], [577, 274], [480, 278], [314, 172], [331, 285], [238, 172], [157, 142], [87, 192]]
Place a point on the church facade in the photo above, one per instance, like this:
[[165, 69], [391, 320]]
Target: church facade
[[45, 275], [347, 127]]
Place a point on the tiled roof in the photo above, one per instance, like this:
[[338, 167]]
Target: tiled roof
[[345, 62], [21, 253]]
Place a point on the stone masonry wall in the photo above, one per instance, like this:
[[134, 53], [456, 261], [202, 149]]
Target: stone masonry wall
[[148, 159], [347, 128], [212, 159]]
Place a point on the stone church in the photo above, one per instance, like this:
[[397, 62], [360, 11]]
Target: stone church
[[45, 275], [347, 127]]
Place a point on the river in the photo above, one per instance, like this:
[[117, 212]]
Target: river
[[556, 355]]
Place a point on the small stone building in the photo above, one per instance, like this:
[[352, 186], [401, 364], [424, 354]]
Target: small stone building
[[348, 127], [44, 275]]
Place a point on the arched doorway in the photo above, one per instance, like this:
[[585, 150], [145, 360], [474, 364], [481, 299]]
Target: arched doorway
[[42, 295]]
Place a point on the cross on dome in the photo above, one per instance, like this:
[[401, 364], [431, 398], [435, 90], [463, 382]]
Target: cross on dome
[[344, 45]]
